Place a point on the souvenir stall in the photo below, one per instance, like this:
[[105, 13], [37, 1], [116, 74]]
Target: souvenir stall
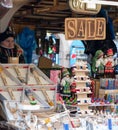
[[96, 106], [29, 99], [65, 91], [90, 105]]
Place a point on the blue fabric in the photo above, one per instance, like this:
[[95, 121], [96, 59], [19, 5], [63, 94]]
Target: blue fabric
[[116, 69], [77, 47], [111, 28], [109, 23], [27, 41]]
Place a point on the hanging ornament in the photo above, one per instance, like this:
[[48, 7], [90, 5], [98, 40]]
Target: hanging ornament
[[50, 50]]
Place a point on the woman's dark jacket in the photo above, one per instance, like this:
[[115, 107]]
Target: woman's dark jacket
[[6, 52]]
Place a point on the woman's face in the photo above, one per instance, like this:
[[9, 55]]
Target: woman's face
[[8, 43]]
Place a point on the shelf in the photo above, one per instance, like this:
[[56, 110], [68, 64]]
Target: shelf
[[83, 104], [101, 105], [83, 92], [82, 86], [81, 70], [104, 91], [79, 81]]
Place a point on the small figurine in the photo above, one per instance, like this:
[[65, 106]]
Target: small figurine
[[109, 62], [98, 62], [30, 96], [73, 98], [65, 82], [73, 87]]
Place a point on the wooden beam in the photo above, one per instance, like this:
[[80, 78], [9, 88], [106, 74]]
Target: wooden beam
[[4, 21], [55, 2]]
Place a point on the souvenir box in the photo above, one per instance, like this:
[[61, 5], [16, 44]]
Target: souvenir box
[[24, 88]]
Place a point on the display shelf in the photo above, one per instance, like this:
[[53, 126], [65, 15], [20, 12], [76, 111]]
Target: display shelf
[[24, 74], [82, 96], [104, 91], [81, 70], [79, 81], [82, 93], [101, 105], [83, 104], [82, 90], [108, 97]]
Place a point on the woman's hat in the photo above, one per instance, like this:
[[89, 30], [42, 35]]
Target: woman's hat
[[5, 35]]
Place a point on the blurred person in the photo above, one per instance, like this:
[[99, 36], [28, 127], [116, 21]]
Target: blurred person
[[9, 49]]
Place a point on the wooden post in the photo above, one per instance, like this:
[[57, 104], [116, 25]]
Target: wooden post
[[4, 21]]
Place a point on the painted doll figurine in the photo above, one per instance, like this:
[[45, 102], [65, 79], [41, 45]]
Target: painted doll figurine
[[65, 82], [98, 62], [109, 62]]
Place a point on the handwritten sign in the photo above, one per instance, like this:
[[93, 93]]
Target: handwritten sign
[[85, 28]]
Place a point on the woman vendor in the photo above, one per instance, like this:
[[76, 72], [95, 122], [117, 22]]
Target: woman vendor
[[9, 50]]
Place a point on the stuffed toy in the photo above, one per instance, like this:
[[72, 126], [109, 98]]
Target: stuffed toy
[[109, 62], [98, 62]]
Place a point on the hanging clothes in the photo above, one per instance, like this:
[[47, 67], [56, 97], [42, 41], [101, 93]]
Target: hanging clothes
[[27, 41]]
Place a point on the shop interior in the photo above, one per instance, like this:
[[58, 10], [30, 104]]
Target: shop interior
[[69, 77]]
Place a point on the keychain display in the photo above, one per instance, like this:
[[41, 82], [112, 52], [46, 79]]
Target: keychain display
[[49, 47]]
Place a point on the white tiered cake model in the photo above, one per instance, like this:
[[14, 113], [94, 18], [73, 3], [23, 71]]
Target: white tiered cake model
[[82, 87]]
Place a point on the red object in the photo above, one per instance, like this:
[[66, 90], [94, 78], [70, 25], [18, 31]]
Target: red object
[[73, 90], [110, 52], [92, 100], [108, 67], [33, 98], [54, 49], [73, 55], [61, 100], [73, 87], [92, 88], [77, 89], [74, 84]]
